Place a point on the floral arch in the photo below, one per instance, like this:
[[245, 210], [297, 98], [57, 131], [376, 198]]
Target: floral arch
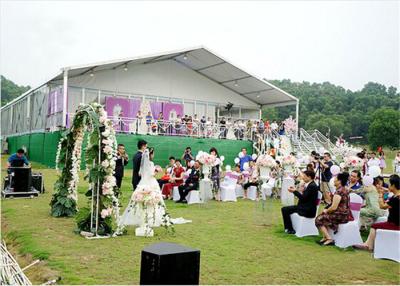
[[100, 216]]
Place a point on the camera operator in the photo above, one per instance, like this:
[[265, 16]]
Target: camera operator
[[122, 160], [187, 156], [326, 175]]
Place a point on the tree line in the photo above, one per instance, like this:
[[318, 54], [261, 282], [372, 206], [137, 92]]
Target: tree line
[[370, 115]]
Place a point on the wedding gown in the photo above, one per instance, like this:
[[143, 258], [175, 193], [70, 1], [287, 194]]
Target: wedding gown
[[135, 213]]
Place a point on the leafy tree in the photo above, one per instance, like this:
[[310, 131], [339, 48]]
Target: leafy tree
[[384, 129], [10, 90]]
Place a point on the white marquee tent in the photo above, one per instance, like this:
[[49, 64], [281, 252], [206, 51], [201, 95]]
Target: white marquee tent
[[197, 77]]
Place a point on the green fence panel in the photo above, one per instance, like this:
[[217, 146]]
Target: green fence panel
[[42, 147], [50, 148], [36, 147], [166, 146]]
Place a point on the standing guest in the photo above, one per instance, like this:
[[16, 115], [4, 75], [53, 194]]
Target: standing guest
[[203, 122], [392, 222], [187, 156], [371, 210], [261, 127], [168, 172], [382, 163], [337, 213], [274, 126], [396, 164], [242, 128], [191, 183], [120, 163], [246, 158], [326, 176], [175, 180], [196, 125], [139, 118], [373, 161], [209, 127], [223, 129], [249, 125], [307, 204], [215, 173], [178, 124], [142, 145], [267, 127], [189, 125], [149, 120], [160, 124], [184, 124], [282, 129], [18, 159]]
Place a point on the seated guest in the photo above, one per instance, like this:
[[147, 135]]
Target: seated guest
[[18, 159], [253, 178], [168, 172], [191, 183], [371, 211], [355, 184], [392, 222], [307, 204], [175, 180], [239, 175], [337, 213]]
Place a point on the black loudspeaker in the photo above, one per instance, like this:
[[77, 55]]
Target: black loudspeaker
[[37, 182], [22, 180], [169, 264]]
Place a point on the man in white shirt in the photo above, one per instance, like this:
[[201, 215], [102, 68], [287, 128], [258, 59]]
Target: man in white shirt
[[274, 125]]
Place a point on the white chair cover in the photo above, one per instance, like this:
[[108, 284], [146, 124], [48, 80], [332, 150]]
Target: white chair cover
[[193, 197], [305, 226], [239, 191], [387, 244], [348, 234], [228, 188], [252, 193], [175, 194], [287, 198]]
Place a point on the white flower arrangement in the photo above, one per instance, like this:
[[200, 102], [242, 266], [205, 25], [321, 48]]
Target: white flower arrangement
[[289, 160], [206, 159], [353, 162], [266, 161]]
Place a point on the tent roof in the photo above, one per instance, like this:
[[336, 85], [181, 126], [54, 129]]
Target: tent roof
[[205, 62]]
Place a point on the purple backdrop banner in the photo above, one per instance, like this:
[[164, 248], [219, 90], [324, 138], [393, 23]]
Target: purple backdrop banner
[[172, 110], [118, 110], [156, 108], [55, 101]]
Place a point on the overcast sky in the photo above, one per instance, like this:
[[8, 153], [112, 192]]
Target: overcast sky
[[346, 43]]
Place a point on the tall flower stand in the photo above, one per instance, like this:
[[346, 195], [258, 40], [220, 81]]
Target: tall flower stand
[[264, 176], [206, 172], [287, 198]]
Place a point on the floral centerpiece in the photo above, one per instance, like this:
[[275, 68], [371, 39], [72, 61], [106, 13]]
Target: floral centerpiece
[[266, 161], [289, 162], [353, 162], [207, 161]]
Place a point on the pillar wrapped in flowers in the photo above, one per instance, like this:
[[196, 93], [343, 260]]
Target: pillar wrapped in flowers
[[265, 163], [100, 155]]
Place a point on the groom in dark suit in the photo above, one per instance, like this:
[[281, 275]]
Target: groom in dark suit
[[142, 145], [307, 205]]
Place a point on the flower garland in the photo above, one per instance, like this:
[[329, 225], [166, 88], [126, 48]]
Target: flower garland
[[100, 157]]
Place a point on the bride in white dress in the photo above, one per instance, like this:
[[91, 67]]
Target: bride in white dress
[[146, 206]]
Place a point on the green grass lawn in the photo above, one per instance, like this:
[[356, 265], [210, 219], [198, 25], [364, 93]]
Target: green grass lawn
[[239, 244]]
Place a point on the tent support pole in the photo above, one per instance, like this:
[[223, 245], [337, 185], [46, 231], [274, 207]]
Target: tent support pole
[[65, 98]]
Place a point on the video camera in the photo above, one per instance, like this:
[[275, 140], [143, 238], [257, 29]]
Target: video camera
[[318, 157]]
